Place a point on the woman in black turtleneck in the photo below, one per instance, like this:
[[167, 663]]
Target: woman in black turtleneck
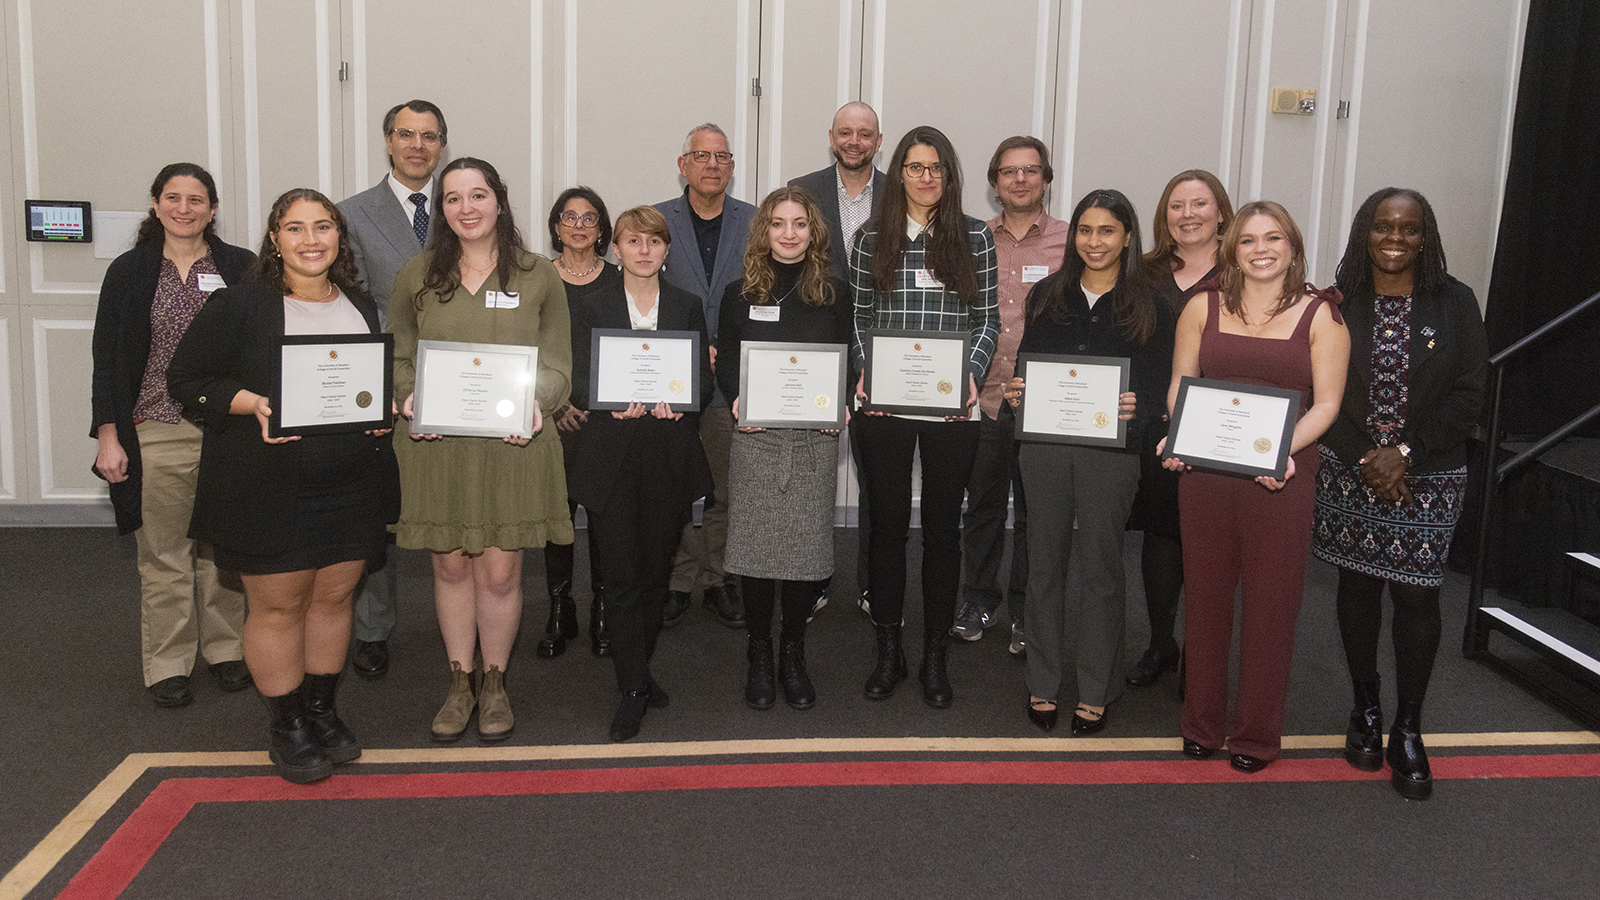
[[781, 482]]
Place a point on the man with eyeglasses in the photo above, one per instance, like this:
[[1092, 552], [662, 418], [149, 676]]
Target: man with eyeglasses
[[390, 223], [847, 193], [1028, 245], [709, 232]]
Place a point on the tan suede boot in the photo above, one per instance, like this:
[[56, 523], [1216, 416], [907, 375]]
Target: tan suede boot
[[494, 707], [451, 722]]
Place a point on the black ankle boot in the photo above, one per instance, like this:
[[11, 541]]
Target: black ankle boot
[[630, 713], [291, 745], [891, 667], [333, 736], [599, 633], [936, 690], [1363, 742], [563, 624], [759, 690], [1408, 761], [797, 689]]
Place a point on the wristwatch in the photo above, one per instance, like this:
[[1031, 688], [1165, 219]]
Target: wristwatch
[[1405, 452]]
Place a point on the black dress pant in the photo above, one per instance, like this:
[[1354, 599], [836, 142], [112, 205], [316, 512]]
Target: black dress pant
[[889, 444]]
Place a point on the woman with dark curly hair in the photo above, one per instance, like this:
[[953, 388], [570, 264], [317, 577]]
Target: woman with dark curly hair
[[298, 518], [1394, 464]]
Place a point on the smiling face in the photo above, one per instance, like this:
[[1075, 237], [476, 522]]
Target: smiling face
[[1022, 192], [307, 240], [854, 137], [1193, 218], [183, 207], [578, 237], [1396, 235], [414, 159], [469, 205], [641, 254], [1100, 240], [789, 232], [924, 191], [1265, 250], [708, 179]]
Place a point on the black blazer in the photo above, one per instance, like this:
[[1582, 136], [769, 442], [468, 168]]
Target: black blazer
[[601, 446], [122, 350], [1449, 366], [245, 497], [823, 186]]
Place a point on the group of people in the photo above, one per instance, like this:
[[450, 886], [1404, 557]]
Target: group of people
[[1389, 365]]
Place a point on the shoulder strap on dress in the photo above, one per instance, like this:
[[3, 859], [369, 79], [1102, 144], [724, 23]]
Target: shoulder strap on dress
[[1331, 295]]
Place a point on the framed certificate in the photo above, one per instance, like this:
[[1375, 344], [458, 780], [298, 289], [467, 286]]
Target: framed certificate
[[1072, 399], [791, 385], [1240, 428], [628, 366], [920, 373], [331, 383], [474, 390]]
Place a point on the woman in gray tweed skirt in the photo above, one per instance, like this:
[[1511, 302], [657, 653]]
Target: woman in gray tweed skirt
[[782, 481]]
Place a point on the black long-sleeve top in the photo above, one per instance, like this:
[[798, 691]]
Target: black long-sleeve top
[[798, 321]]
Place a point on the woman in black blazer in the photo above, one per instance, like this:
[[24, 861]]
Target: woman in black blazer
[[297, 517], [637, 471], [1394, 464], [148, 448]]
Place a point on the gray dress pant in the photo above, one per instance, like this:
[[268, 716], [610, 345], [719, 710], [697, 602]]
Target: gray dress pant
[[1096, 487]]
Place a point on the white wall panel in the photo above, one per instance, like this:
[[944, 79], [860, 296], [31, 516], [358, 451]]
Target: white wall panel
[[61, 387], [8, 422]]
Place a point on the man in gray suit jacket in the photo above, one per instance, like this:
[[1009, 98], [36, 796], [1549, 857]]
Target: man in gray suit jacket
[[390, 223], [709, 232], [848, 192]]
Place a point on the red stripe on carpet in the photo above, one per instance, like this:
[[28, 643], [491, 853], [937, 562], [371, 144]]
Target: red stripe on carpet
[[116, 864]]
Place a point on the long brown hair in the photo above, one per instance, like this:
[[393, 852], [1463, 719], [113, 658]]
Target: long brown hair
[[949, 253], [444, 267], [815, 287], [1131, 307], [268, 266], [1163, 248], [1232, 279]]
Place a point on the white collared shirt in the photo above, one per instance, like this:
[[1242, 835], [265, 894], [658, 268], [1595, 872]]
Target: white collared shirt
[[642, 321], [403, 194], [914, 228]]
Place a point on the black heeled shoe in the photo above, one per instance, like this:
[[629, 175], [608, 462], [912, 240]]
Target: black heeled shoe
[[1083, 725], [599, 632], [1363, 741], [630, 713], [1197, 750], [1408, 760], [563, 623], [1042, 717], [1248, 764]]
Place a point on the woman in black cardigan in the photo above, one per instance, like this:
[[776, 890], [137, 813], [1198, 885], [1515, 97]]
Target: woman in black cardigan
[[297, 517], [148, 449], [637, 471], [1394, 463]]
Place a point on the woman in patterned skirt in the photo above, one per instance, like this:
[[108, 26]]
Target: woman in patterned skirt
[[1394, 463]]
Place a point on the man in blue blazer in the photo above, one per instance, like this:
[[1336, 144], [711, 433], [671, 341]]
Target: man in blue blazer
[[709, 232], [390, 223]]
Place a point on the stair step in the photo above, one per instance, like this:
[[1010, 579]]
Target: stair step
[[1557, 630], [1588, 559]]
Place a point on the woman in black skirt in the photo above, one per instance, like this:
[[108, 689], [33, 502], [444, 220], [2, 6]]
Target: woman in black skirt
[[298, 518]]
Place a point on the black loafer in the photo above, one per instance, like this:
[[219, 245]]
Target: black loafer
[[172, 692], [1197, 750], [1148, 669], [232, 675], [1248, 764], [370, 659], [672, 612]]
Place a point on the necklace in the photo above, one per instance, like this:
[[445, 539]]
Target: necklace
[[560, 261], [471, 268], [309, 299]]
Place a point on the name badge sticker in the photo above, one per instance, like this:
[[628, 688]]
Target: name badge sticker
[[764, 313], [499, 300], [926, 279], [210, 282], [1031, 274]]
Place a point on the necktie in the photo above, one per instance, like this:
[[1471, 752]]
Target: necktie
[[419, 222]]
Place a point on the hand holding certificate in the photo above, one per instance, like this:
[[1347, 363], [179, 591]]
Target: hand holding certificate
[[475, 390], [646, 367], [1239, 428], [917, 372], [331, 383], [1073, 399]]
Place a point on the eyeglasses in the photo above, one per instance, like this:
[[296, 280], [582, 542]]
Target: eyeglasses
[[405, 135], [573, 220], [915, 170], [702, 157], [1021, 171]]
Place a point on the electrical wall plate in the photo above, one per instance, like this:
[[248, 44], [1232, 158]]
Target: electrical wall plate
[[1294, 101]]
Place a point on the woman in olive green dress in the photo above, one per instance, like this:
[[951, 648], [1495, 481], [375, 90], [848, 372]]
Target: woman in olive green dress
[[477, 502]]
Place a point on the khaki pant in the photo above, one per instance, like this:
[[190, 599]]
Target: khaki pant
[[186, 604]]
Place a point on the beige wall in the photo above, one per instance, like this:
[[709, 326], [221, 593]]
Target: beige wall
[[100, 94]]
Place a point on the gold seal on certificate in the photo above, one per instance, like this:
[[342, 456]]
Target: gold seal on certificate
[[791, 385], [916, 372], [625, 369], [1239, 428], [474, 389], [325, 383], [1072, 399]]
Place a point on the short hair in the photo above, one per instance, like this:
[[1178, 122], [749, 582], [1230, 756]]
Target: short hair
[[645, 220], [419, 106], [704, 126], [268, 266], [151, 230], [1163, 247], [603, 240], [1020, 142], [1294, 278], [1354, 274]]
